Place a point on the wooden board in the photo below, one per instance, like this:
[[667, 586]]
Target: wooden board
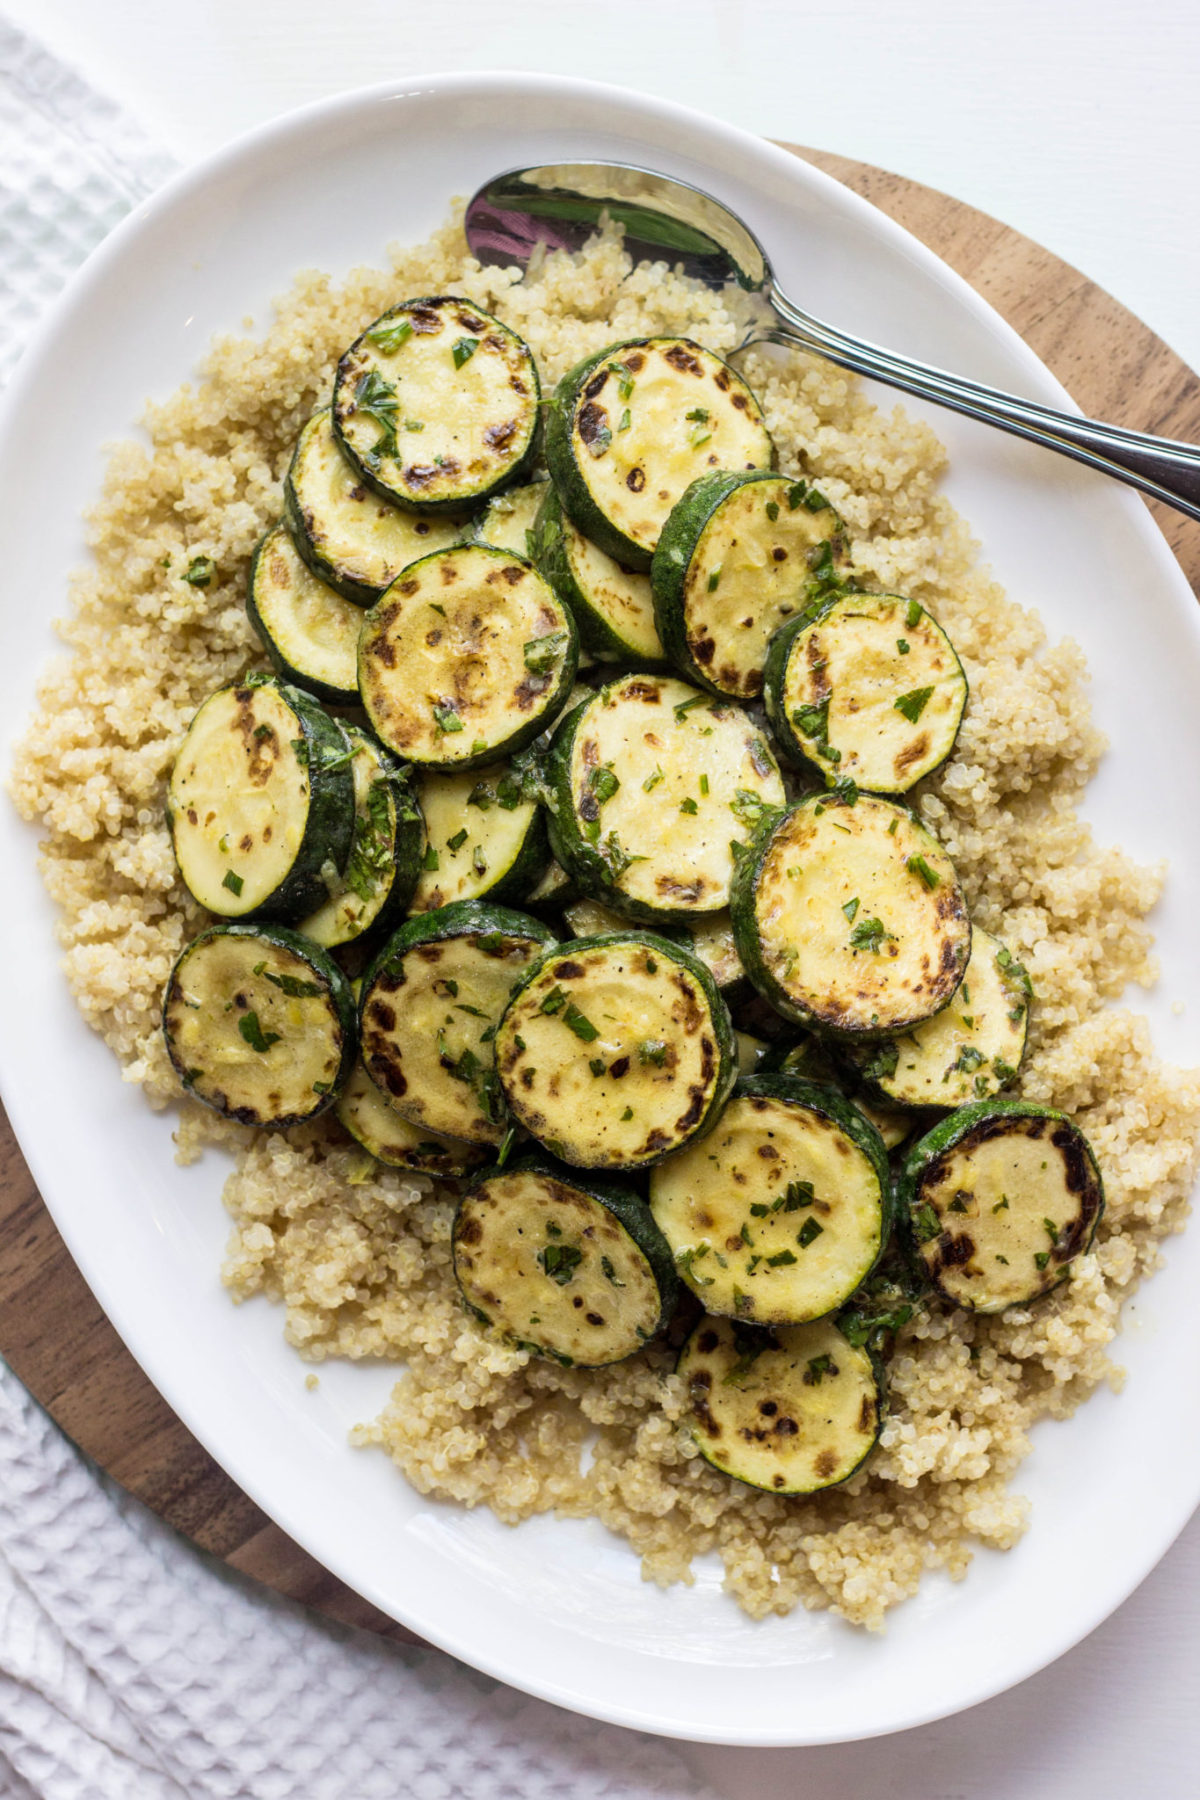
[[52, 1332]]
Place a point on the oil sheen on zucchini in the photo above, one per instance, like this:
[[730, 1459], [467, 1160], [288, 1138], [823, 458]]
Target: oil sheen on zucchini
[[261, 801], [374, 889], [430, 1005], [309, 632], [371, 1119], [466, 658], [613, 606], [998, 1200], [779, 1213], [616, 1050], [971, 1049], [259, 1024], [346, 534], [436, 404], [633, 425], [485, 837], [866, 686], [507, 522], [653, 783], [849, 917], [791, 1410], [736, 559], [562, 1264]]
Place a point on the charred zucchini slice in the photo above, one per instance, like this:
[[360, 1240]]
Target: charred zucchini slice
[[783, 1209], [467, 658], [997, 1202], [508, 522], [259, 1024], [866, 686], [632, 426], [485, 837], [612, 606], [791, 1410], [436, 404], [430, 1006], [261, 801], [969, 1050], [374, 889], [562, 1264], [849, 917], [737, 558], [309, 632], [616, 1050], [709, 939], [811, 1061], [653, 783], [371, 1119], [346, 534]]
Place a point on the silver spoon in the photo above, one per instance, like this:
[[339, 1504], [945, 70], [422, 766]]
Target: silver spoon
[[558, 206]]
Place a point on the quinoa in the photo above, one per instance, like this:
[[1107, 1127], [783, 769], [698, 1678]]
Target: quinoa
[[359, 1255]]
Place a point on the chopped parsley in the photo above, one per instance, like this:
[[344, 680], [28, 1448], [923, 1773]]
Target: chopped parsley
[[902, 646], [772, 510], [390, 338], [817, 1367], [560, 1262], [782, 1258], [652, 1050], [200, 571], [688, 805], [809, 1232], [625, 421], [458, 840], [542, 653], [429, 861], [291, 985], [604, 782], [714, 580], [870, 935], [255, 1036], [914, 704], [464, 349], [580, 1024], [751, 811], [916, 865], [850, 908], [233, 882], [912, 614], [686, 706], [376, 399], [652, 780], [448, 720]]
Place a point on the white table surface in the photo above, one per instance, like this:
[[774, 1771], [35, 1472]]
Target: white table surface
[[1076, 121]]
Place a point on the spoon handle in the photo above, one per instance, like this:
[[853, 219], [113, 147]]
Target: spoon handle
[[1162, 467]]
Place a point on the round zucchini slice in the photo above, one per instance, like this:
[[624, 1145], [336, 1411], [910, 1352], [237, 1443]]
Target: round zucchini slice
[[654, 783], [616, 1050], [309, 632], [792, 1410], [849, 917], [467, 658], [346, 534], [710, 940], [737, 558], [374, 889], [370, 1118], [783, 1209], [436, 404], [260, 801], [612, 606], [509, 521], [631, 427], [969, 1050], [562, 1264], [485, 837], [866, 686], [259, 1024], [998, 1200], [430, 1006]]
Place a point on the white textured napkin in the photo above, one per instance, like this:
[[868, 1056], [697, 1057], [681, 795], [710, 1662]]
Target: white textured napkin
[[131, 1666]]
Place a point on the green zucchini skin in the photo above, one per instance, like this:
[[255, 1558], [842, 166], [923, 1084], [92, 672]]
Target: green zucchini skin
[[380, 876], [441, 324], [327, 791], [723, 656], [948, 1255], [579, 407], [581, 1113], [374, 1123], [507, 881], [613, 607], [245, 949], [617, 1214], [281, 589]]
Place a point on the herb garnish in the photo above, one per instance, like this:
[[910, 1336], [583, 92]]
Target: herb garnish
[[255, 1036], [291, 985], [200, 571], [916, 865], [604, 782], [652, 781], [869, 935], [447, 719], [542, 653], [560, 1262], [810, 1230], [914, 704], [390, 338], [464, 349], [233, 882]]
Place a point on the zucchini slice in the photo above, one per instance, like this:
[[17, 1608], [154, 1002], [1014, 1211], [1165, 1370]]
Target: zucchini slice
[[370, 1118], [554, 891], [347, 535], [783, 1209], [653, 783], [616, 1050], [260, 801], [792, 1410], [309, 632], [377, 883], [509, 521], [259, 1024], [866, 686], [633, 425], [613, 606], [751, 1053], [811, 1061], [485, 837], [969, 1050], [710, 940], [737, 558], [436, 404], [562, 1264], [467, 658], [998, 1200], [849, 917], [430, 1005]]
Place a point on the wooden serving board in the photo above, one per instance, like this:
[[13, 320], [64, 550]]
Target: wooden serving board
[[52, 1331]]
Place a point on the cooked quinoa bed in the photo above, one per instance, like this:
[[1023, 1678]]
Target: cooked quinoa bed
[[359, 1255]]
